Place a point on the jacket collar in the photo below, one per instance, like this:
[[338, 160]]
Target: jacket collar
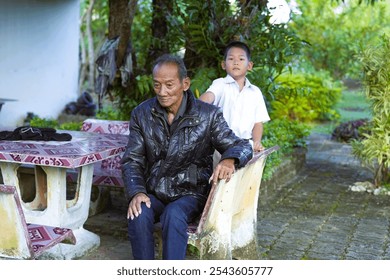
[[185, 110]]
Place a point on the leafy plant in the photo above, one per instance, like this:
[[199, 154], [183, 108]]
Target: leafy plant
[[305, 97], [52, 123], [193, 251], [350, 130], [42, 122], [202, 80], [374, 150], [110, 113], [287, 135], [76, 126]]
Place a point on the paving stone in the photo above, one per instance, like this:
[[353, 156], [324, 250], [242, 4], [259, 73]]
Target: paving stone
[[312, 255], [361, 255]]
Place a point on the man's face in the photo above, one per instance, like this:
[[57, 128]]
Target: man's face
[[168, 87], [236, 63]]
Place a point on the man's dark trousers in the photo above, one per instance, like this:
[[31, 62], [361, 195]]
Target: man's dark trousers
[[174, 218]]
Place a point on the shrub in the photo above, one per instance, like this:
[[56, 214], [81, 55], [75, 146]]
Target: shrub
[[287, 135], [305, 97], [110, 113], [42, 122], [350, 130], [52, 123], [374, 150], [76, 126]]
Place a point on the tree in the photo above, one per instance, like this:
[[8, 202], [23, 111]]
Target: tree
[[334, 36], [141, 30], [93, 27], [159, 26], [368, 2], [87, 33], [133, 58], [210, 25], [116, 53]]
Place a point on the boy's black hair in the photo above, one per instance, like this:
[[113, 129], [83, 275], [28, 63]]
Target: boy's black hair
[[172, 59], [237, 44]]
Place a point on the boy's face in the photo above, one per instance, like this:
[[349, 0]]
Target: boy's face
[[236, 63]]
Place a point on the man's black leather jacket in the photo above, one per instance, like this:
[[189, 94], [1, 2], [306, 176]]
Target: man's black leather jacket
[[171, 166]]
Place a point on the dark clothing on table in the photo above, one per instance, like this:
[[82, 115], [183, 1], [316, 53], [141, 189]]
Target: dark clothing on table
[[34, 134]]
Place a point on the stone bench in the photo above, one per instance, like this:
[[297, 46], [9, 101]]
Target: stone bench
[[21, 240], [228, 225]]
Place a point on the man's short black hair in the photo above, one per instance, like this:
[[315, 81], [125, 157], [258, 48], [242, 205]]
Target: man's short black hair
[[172, 59], [237, 44]]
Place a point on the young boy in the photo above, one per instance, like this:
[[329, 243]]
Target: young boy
[[242, 103]]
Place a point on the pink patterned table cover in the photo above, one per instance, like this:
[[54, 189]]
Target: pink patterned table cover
[[83, 149], [107, 172], [106, 126]]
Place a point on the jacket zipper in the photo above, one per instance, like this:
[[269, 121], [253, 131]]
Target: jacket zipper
[[169, 137]]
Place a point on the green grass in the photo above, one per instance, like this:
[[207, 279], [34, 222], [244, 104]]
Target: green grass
[[352, 105]]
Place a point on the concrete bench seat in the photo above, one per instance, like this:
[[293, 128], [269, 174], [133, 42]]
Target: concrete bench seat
[[21, 240]]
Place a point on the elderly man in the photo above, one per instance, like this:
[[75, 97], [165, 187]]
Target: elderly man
[[167, 165]]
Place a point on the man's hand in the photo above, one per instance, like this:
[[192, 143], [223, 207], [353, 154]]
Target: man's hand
[[224, 170], [135, 205]]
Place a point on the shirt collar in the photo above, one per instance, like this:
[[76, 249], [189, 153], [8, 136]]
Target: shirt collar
[[183, 106], [229, 79]]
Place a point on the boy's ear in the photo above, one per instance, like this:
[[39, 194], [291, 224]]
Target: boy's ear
[[223, 64], [250, 65]]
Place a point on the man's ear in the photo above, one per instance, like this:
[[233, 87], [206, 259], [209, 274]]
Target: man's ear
[[186, 83], [223, 64]]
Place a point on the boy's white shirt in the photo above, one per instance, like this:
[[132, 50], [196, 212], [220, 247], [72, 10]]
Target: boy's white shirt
[[240, 109]]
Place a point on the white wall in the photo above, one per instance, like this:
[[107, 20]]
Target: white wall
[[39, 42]]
